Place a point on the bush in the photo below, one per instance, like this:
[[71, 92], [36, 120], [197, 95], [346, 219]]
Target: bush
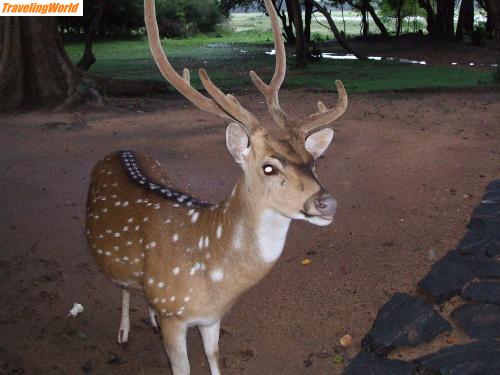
[[182, 17]]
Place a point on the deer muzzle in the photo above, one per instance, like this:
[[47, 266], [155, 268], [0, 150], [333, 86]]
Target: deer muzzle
[[320, 208]]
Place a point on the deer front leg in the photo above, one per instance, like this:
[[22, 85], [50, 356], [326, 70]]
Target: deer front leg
[[173, 333], [210, 337], [125, 321], [153, 318]]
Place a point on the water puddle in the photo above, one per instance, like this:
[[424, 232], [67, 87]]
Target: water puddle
[[348, 56]]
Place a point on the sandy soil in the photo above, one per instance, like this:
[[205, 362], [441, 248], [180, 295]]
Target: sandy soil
[[407, 170]]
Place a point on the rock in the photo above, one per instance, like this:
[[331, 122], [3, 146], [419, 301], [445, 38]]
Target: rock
[[481, 242], [367, 364], [403, 321], [484, 267], [483, 291], [478, 320], [447, 277], [476, 358]]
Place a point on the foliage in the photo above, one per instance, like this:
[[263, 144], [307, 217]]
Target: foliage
[[126, 17]]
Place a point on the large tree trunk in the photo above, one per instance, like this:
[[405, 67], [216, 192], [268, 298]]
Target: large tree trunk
[[301, 48], [444, 21], [34, 68], [465, 23], [338, 35], [376, 19]]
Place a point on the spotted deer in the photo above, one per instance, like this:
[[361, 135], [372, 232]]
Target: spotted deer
[[191, 259]]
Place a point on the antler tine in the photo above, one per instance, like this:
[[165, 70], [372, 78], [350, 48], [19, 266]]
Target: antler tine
[[325, 116], [271, 91], [218, 105], [227, 102]]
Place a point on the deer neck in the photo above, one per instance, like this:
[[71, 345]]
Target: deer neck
[[257, 235]]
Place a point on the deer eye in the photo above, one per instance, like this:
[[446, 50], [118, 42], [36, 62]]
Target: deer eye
[[269, 170]]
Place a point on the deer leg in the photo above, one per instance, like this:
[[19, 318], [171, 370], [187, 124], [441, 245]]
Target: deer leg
[[210, 337], [173, 333], [153, 318], [125, 321]]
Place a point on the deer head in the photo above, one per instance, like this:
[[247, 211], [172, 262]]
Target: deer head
[[278, 173]]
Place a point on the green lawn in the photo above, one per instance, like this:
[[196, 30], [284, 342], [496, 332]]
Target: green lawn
[[242, 45]]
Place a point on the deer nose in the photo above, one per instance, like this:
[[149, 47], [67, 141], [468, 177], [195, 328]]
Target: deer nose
[[326, 205]]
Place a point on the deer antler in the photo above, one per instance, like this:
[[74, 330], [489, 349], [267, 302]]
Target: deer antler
[[221, 104], [271, 91], [318, 120]]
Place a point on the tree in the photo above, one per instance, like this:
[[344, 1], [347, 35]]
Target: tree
[[465, 23], [88, 57], [494, 8], [339, 36], [301, 44], [34, 67], [365, 8]]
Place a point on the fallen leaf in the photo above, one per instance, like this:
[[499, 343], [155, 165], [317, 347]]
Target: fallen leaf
[[306, 262]]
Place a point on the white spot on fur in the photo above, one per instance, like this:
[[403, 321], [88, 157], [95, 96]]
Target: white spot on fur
[[217, 275], [176, 270], [195, 216], [219, 231], [200, 243], [161, 284], [151, 281], [186, 299], [175, 237], [172, 299], [207, 241], [238, 236]]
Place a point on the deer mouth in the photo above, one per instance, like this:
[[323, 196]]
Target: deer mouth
[[319, 220]]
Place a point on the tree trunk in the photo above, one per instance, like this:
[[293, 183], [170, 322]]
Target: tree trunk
[[338, 35], [34, 68], [364, 20], [430, 15], [308, 6], [444, 21], [286, 20], [300, 42], [88, 57], [494, 8], [465, 23], [399, 25], [376, 19]]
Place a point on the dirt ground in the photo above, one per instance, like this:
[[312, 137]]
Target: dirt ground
[[406, 169]]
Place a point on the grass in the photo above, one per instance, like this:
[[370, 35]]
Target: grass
[[230, 54]]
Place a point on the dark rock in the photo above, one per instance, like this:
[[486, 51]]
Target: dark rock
[[484, 267], [478, 320], [367, 364], [483, 291], [447, 277], [477, 358], [480, 242], [403, 321]]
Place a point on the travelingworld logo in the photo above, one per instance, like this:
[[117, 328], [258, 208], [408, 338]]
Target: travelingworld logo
[[41, 8]]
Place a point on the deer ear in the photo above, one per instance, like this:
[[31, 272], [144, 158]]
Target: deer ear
[[317, 143], [237, 142]]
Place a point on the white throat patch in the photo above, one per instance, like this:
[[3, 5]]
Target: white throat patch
[[271, 235]]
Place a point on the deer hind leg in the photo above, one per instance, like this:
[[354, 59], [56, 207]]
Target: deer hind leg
[[210, 337], [173, 333], [125, 320], [153, 318]]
